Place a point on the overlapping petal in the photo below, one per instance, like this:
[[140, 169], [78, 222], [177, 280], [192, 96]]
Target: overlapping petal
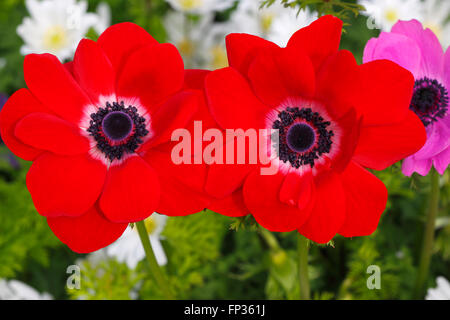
[[19, 105], [232, 102], [261, 196], [151, 74], [381, 146], [38, 130], [65, 186], [364, 206], [54, 87], [319, 40], [93, 70], [88, 232], [131, 191]]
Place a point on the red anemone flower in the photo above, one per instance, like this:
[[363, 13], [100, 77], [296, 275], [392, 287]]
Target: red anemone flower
[[88, 125], [334, 119]]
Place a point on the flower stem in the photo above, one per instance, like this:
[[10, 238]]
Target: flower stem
[[303, 268], [154, 267], [428, 237]]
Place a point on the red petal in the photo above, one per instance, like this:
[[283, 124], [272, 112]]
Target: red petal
[[386, 91], [232, 102], [152, 74], [298, 191], [131, 191], [224, 179], [338, 83], [319, 40], [328, 214], [65, 186], [173, 114], [195, 78], [242, 48], [351, 129], [366, 198], [121, 40], [69, 67], [181, 185], [297, 71], [262, 198], [54, 86], [93, 70], [18, 105], [279, 74], [48, 132], [266, 80], [87, 233], [231, 206], [382, 146]]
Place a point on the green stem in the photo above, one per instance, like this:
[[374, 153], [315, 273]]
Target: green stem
[[303, 268], [270, 239], [154, 267], [428, 237]]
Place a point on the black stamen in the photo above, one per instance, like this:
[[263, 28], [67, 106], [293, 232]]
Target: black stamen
[[300, 137], [117, 129], [117, 125], [302, 142], [429, 101]]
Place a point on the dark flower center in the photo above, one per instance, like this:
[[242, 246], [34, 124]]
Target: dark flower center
[[117, 125], [300, 137], [117, 129], [429, 101], [303, 136]]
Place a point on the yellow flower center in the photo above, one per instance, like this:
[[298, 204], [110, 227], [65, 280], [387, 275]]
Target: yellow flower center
[[55, 38], [391, 15], [150, 224], [266, 21], [219, 57], [186, 48], [190, 4]]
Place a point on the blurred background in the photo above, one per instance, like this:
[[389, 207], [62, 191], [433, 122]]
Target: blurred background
[[209, 256]]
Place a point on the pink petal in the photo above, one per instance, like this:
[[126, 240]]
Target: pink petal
[[432, 63], [394, 47], [411, 165], [442, 160]]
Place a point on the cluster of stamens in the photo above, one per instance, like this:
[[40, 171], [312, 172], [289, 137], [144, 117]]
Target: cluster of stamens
[[302, 136], [117, 129], [429, 101]]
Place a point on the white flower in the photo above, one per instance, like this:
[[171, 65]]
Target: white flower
[[276, 23], [103, 17], [287, 22], [385, 13], [17, 290], [202, 42], [189, 36], [55, 26], [435, 17], [128, 248], [441, 292], [200, 6]]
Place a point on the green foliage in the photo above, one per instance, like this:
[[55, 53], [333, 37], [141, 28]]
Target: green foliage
[[11, 74], [106, 279], [339, 8], [25, 235], [211, 256], [191, 244]]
